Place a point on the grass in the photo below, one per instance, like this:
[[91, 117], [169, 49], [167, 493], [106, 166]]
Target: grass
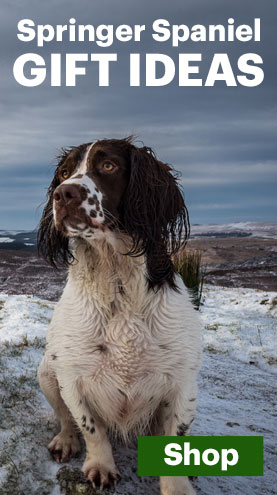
[[17, 349], [188, 264], [273, 303], [264, 301], [41, 304], [214, 327]]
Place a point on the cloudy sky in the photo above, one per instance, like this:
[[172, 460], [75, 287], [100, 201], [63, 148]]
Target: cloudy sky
[[221, 139]]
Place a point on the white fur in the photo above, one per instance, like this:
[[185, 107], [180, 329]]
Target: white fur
[[152, 349], [83, 165]]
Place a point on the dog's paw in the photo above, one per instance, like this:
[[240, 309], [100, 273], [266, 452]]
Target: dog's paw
[[64, 446], [100, 474], [171, 485]]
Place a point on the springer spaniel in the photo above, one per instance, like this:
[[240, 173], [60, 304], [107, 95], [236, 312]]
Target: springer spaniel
[[124, 347]]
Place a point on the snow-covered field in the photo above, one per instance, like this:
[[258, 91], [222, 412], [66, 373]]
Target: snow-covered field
[[241, 323], [6, 239], [17, 237], [237, 392], [264, 230]]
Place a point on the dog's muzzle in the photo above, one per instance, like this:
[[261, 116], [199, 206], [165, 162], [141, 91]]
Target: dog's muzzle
[[69, 209]]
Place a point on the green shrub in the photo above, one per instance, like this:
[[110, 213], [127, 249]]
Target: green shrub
[[188, 264]]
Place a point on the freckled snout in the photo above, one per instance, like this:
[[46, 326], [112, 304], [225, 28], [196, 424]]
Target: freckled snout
[[73, 209]]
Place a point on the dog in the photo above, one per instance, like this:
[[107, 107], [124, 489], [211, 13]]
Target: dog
[[123, 347]]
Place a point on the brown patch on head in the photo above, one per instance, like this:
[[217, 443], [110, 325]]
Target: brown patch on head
[[111, 184], [69, 160], [91, 201], [93, 213]]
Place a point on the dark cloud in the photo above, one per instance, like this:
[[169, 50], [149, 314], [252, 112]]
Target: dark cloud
[[223, 140]]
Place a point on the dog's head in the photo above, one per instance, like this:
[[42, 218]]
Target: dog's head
[[112, 185]]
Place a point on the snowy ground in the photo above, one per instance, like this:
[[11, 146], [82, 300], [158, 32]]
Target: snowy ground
[[237, 392], [242, 324]]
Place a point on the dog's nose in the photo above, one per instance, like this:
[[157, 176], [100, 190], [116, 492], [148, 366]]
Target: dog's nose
[[67, 193]]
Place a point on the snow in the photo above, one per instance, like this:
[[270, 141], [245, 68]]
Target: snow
[[3, 474], [241, 323], [23, 316], [13, 232], [6, 239], [267, 230], [235, 397]]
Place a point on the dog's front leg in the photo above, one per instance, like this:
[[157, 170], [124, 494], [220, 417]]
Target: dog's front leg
[[99, 466], [66, 444], [176, 415]]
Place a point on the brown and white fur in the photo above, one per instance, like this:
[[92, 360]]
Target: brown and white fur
[[123, 348]]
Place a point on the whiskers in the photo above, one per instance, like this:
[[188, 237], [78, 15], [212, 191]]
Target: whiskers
[[112, 220]]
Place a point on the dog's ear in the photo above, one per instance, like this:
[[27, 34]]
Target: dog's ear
[[154, 214], [52, 245]]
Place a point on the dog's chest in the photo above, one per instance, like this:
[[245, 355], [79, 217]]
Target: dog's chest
[[123, 350], [119, 347], [114, 347], [123, 370]]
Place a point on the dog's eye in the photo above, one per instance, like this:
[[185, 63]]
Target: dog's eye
[[65, 174], [108, 166]]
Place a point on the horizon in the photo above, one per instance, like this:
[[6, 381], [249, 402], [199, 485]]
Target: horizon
[[8, 227], [236, 223]]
